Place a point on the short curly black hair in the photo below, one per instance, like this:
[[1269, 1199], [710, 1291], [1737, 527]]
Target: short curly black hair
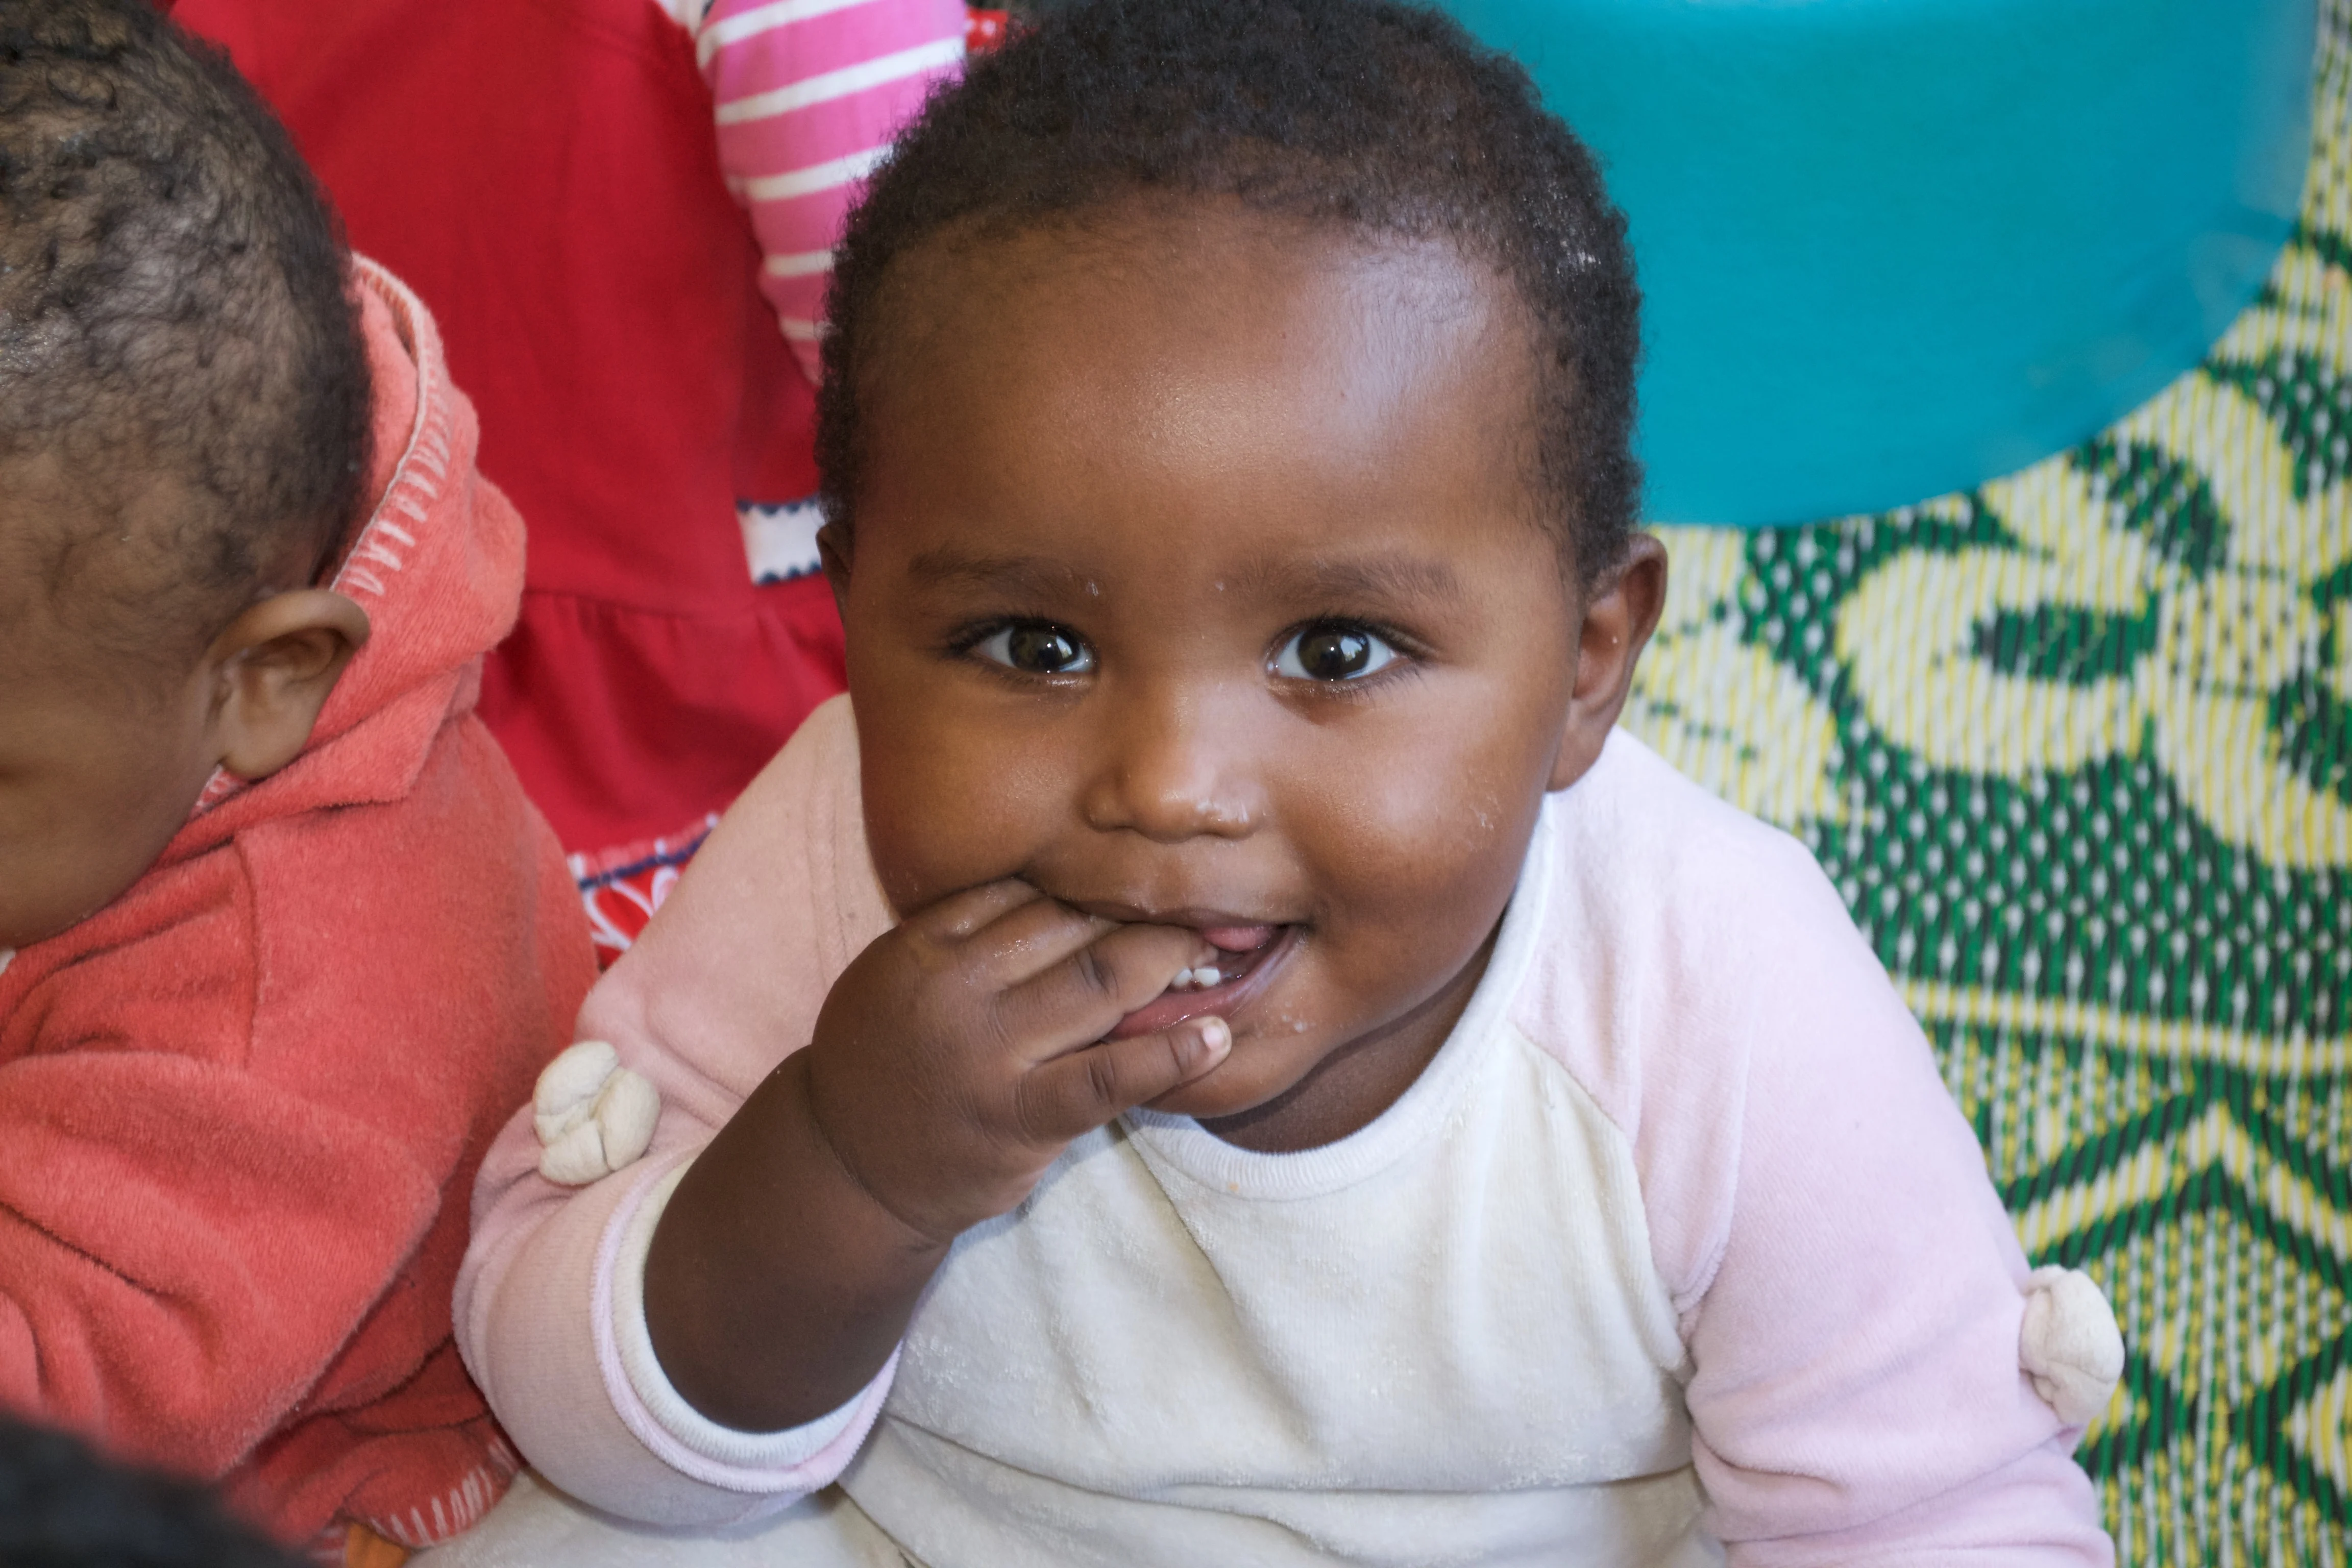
[[1359, 113], [175, 302], [63, 1506]]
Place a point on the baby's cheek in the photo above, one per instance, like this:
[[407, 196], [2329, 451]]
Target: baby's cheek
[[1428, 838], [1410, 895], [940, 819]]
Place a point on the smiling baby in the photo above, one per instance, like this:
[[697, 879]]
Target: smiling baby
[[1217, 1051]]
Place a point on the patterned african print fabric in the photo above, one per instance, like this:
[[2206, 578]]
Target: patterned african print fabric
[[2077, 749]]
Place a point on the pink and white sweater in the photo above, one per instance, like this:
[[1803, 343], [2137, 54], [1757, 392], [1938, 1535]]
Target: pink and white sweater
[[807, 95], [1678, 1247]]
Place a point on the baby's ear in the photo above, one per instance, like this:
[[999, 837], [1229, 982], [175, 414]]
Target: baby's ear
[[1620, 613], [277, 664]]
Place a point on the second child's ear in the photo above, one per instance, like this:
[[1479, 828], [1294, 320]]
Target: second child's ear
[[1620, 614], [276, 665]]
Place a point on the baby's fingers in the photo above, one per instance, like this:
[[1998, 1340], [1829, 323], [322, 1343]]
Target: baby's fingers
[[1094, 985], [1074, 1094], [958, 915]]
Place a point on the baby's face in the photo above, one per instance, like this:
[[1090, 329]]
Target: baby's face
[[1195, 581]]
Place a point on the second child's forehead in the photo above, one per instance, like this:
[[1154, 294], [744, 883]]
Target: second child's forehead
[[1203, 349]]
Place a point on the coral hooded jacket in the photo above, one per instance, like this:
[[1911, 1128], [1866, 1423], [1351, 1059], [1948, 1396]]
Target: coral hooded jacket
[[241, 1106]]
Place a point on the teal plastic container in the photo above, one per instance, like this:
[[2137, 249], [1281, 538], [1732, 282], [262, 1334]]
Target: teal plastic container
[[1891, 248]]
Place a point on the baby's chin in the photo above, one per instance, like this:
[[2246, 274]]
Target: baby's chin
[[1228, 1089]]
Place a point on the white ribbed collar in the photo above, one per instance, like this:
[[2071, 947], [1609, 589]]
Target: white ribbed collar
[[1179, 1143]]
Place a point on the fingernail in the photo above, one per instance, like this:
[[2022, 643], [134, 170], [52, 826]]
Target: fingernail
[[1216, 1038]]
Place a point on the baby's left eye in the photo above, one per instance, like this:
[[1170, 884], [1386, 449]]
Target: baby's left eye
[[1333, 652]]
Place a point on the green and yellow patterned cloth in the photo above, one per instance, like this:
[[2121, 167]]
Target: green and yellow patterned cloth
[[2077, 749]]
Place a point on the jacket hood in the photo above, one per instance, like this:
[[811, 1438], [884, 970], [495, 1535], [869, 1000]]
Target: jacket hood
[[437, 566]]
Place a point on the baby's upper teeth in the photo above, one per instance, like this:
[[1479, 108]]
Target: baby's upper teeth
[[1199, 979], [1206, 977]]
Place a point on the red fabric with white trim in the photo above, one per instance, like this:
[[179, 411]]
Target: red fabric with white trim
[[549, 179], [624, 886]]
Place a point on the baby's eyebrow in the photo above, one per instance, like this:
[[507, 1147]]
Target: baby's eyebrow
[[1030, 576], [1389, 578]]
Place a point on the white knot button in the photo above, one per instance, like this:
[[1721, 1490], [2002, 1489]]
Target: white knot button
[[592, 1115], [2069, 1344]]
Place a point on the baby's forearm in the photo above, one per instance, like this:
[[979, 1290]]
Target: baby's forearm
[[777, 1286]]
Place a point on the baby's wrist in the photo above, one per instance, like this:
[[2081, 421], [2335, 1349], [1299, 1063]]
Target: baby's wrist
[[798, 1093]]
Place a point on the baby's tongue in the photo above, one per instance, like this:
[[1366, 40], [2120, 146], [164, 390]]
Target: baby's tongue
[[1237, 939]]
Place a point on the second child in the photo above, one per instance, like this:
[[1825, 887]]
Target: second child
[[281, 940]]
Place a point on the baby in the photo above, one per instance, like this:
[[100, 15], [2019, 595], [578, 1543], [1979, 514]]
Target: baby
[[280, 940], [1218, 1052]]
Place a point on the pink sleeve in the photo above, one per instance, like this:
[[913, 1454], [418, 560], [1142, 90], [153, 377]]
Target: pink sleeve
[[808, 94], [719, 989], [1849, 1284]]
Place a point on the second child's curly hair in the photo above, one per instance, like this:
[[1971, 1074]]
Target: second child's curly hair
[[173, 303], [1360, 113]]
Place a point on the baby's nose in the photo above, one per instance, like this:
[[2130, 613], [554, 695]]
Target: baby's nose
[[1182, 772]]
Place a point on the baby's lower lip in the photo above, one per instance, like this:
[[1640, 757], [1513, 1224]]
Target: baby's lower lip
[[1243, 972]]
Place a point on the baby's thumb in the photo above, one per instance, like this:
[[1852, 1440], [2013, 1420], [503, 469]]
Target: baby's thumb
[[1077, 1093]]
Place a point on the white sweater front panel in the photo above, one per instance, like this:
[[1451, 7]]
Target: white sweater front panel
[[1440, 1340]]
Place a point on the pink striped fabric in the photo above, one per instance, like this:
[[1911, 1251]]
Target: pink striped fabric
[[806, 95]]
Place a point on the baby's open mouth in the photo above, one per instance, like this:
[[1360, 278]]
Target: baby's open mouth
[[1244, 960], [1239, 950]]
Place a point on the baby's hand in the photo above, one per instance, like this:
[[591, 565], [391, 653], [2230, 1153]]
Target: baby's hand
[[952, 1061], [962, 1051]]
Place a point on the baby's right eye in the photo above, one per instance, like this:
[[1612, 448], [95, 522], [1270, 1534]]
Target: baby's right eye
[[1037, 648]]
